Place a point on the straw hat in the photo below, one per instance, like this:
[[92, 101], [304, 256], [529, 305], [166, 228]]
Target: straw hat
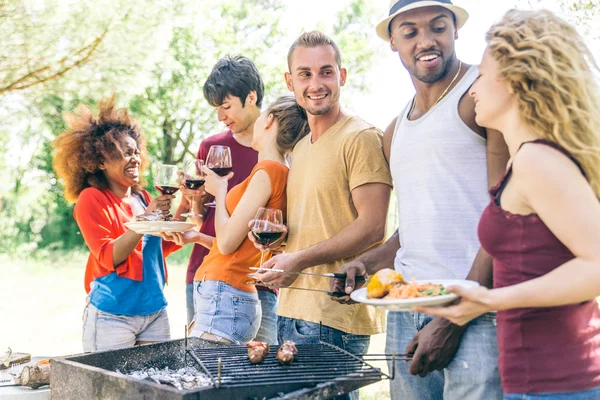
[[400, 6]]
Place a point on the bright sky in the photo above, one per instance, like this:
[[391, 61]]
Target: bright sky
[[392, 87]]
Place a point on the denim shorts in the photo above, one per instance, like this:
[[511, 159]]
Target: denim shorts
[[225, 311], [106, 331], [591, 394]]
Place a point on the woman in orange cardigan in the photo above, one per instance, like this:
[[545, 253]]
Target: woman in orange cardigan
[[100, 161]]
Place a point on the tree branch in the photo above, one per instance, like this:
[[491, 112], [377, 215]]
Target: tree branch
[[21, 83]]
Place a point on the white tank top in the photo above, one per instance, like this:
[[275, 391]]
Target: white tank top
[[440, 176]]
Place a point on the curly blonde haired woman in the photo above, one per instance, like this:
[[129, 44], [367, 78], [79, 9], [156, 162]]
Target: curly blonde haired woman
[[542, 226]]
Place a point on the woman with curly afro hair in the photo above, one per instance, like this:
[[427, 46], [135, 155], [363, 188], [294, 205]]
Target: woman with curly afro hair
[[536, 85], [100, 161]]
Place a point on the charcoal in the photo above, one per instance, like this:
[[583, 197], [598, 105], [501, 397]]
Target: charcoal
[[183, 378]]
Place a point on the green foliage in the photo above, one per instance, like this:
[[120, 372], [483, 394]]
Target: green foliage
[[173, 110], [353, 34], [156, 57]]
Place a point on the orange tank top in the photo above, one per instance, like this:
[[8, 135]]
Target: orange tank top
[[234, 268]]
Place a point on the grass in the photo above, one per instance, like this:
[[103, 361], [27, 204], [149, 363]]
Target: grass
[[42, 300]]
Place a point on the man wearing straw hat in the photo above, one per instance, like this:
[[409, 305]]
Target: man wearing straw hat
[[442, 165]]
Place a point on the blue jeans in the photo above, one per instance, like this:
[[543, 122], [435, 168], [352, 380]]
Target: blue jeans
[[268, 323], [471, 375], [225, 311], [304, 332], [189, 301], [591, 394]]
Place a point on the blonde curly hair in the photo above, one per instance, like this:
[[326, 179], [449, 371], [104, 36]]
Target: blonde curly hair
[[551, 71]]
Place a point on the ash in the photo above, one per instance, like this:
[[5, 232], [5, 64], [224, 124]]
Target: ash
[[182, 379]]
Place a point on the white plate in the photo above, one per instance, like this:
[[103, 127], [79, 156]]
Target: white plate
[[155, 227], [360, 296]]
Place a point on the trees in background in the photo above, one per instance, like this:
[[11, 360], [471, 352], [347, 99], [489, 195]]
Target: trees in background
[[155, 56]]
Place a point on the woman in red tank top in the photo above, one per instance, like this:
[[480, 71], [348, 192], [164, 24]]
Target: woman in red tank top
[[542, 226]]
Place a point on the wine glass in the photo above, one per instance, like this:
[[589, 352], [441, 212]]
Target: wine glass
[[193, 178], [219, 161], [166, 179], [267, 228]]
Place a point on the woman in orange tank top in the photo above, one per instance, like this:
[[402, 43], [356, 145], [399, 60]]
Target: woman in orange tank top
[[226, 308]]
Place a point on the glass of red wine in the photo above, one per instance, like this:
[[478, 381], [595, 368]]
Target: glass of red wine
[[218, 160], [165, 180], [193, 178], [267, 228]]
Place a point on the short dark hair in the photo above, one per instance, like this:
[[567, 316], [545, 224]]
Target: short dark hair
[[314, 39], [233, 76]]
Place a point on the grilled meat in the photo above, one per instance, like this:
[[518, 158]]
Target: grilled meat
[[257, 351], [287, 351], [154, 216]]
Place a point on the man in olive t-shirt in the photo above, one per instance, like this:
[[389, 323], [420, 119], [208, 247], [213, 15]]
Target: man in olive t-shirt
[[338, 195]]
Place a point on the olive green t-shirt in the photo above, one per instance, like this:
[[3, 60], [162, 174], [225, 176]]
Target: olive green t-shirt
[[319, 205]]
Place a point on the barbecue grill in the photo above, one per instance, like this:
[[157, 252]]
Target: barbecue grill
[[319, 371]]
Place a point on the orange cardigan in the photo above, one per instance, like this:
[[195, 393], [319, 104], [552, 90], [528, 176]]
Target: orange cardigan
[[100, 216]]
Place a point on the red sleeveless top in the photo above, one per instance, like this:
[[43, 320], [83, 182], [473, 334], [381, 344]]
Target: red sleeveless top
[[553, 349]]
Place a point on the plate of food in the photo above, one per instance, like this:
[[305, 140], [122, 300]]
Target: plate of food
[[156, 222], [388, 289]]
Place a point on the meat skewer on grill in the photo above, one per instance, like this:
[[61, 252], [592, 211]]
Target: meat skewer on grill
[[287, 351], [257, 351]]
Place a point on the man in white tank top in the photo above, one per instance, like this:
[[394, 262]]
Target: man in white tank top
[[442, 165]]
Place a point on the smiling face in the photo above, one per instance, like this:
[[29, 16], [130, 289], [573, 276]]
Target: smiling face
[[236, 117], [492, 94], [315, 78], [124, 171], [424, 39]]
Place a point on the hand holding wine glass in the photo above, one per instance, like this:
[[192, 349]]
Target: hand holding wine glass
[[193, 179], [218, 160], [166, 179], [267, 228]]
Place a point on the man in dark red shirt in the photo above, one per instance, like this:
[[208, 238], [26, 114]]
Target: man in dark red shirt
[[235, 89]]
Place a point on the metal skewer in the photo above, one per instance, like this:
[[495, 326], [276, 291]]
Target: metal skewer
[[333, 294], [327, 275]]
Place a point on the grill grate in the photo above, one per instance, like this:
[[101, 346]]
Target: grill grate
[[314, 364]]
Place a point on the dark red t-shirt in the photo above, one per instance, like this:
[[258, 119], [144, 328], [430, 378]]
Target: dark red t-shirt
[[551, 349], [243, 160]]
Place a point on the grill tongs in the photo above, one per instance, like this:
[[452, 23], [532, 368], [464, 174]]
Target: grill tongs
[[328, 275]]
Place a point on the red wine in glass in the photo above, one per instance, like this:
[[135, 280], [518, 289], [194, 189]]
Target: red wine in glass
[[194, 178], [266, 238], [167, 189], [267, 228], [218, 160], [165, 180], [194, 183], [221, 171]]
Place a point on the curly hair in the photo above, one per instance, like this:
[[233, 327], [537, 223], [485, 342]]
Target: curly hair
[[88, 142], [551, 72], [292, 123]]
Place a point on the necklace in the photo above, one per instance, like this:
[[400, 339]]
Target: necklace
[[412, 106]]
